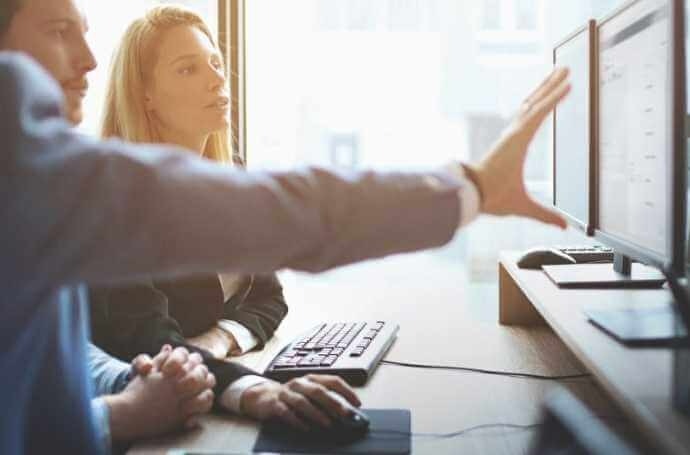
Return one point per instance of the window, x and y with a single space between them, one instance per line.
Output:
405 84
511 31
107 23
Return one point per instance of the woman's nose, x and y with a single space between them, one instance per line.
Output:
217 79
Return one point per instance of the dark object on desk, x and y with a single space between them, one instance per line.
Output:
389 433
538 257
640 326
344 429
681 379
588 254
604 276
681 353
351 350
570 428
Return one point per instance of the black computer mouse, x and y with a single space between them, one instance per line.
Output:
536 258
344 429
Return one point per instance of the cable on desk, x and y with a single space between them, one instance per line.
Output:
483 371
455 434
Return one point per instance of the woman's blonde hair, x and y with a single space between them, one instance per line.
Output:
125 115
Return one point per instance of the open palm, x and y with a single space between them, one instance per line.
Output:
500 174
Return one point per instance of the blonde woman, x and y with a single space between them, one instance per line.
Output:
168 85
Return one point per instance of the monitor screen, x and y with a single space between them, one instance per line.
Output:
635 163
571 132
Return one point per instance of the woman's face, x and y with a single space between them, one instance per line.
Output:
187 93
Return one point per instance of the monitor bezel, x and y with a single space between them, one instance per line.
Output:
589 31
674 256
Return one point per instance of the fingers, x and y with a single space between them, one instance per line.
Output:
174 364
210 381
545 106
283 412
318 394
301 405
142 364
338 385
193 360
540 213
198 404
557 76
194 382
161 357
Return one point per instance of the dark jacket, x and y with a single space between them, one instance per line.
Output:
141 318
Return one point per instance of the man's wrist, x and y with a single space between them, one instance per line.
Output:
235 395
472 173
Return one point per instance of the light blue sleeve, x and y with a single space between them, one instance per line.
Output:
110 375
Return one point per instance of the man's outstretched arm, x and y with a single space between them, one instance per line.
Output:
83 210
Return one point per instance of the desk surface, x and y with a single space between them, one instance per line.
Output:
441 322
639 380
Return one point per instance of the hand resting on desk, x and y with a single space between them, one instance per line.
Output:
302 402
167 393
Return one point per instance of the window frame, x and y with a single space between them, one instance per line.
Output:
231 39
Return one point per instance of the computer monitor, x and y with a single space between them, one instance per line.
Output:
573 131
641 165
640 155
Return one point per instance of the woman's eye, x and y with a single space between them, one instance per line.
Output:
186 71
58 33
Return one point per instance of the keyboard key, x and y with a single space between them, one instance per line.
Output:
356 352
310 361
371 334
328 361
362 346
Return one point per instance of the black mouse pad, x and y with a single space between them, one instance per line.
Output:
389 433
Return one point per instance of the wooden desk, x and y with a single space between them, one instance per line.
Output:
639 380
445 319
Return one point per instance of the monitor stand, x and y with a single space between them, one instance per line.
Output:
640 326
623 274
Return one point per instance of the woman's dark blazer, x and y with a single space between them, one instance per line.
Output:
141 318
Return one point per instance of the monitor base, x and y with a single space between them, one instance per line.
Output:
640 326
603 276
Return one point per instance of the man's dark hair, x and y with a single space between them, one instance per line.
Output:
8 8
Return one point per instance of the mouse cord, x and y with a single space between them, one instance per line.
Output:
484 371
404 434
511 426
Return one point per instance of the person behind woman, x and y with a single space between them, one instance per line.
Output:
168 85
